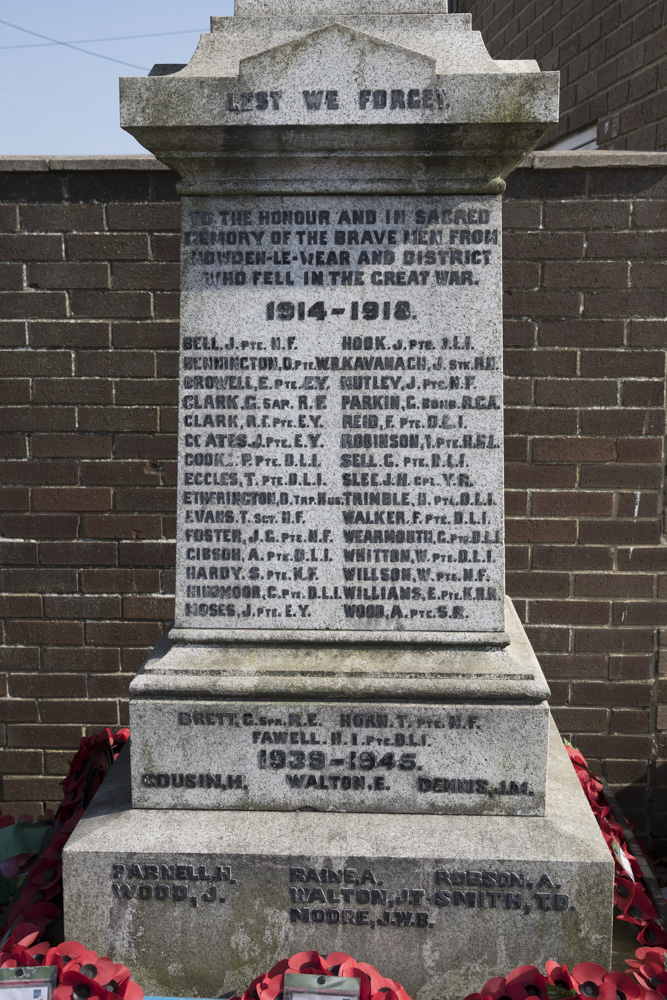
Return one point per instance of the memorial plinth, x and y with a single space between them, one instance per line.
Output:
396 729
200 903
346 732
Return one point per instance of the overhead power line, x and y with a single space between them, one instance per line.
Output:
54 41
115 38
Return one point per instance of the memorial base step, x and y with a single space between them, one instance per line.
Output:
342 729
199 903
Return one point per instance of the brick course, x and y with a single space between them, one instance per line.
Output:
612 56
87 438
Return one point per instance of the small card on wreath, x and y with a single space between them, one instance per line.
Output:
23 983
313 987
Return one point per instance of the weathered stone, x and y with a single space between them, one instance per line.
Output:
472 721
239 117
277 8
348 757
342 465
440 903
261 667
340 548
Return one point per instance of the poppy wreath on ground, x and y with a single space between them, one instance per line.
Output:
374 986
31 851
82 974
31 899
631 897
586 980
646 978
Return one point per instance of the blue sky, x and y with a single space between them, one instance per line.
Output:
56 101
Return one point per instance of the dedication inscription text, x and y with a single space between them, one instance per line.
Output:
341 414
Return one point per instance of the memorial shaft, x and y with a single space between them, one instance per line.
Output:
341 414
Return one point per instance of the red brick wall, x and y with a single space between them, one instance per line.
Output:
88 335
612 55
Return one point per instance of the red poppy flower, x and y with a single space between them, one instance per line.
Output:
131 991
401 992
620 986
588 978
39 914
334 960
38 951
653 936
592 788
652 976
73 986
306 960
495 988
559 975
69 823
121 976
270 987
575 755
120 739
526 981
88 769
45 874
351 969
100 970
656 956
71 951
25 935
376 981
22 955
54 850
624 890
640 909
251 991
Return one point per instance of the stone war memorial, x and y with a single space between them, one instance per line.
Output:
344 743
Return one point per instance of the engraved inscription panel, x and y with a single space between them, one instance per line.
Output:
343 757
340 459
349 896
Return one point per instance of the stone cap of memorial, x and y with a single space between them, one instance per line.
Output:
373 96
273 8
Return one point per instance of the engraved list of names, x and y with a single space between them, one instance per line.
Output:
340 460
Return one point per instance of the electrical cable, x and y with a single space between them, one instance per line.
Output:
116 38
69 45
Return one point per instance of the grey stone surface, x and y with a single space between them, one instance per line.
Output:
198 742
440 903
40 164
594 159
302 518
343 757
341 463
278 8
556 160
211 636
469 122
232 40
370 671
